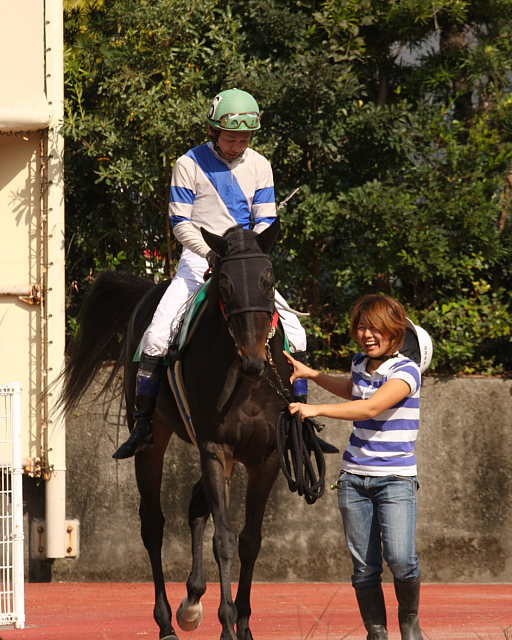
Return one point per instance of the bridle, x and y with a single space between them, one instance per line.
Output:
274 321
300 456
254 300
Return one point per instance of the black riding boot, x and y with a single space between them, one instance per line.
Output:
146 392
408 596
373 611
300 390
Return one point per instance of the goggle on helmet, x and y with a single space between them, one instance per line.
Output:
234 110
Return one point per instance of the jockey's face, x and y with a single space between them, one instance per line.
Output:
233 143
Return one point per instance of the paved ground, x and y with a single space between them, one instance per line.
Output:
281 611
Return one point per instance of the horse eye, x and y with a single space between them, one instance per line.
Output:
267 283
225 287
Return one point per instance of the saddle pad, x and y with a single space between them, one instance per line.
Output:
176 384
192 314
194 309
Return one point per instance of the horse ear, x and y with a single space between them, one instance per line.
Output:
269 235
217 244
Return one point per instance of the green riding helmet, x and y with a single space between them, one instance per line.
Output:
234 110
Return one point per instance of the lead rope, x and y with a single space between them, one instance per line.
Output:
296 442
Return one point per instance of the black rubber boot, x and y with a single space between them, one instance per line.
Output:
147 386
373 612
408 596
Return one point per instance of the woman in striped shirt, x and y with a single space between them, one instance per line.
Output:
377 486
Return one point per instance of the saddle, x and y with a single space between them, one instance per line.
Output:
194 310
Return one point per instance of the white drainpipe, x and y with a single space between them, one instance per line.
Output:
54 304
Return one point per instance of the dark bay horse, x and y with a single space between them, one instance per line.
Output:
237 381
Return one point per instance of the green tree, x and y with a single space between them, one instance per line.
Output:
405 164
393 118
139 78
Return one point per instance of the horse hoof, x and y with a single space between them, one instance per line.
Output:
189 615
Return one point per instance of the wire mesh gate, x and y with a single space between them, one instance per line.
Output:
12 588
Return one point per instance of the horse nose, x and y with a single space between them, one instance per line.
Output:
253 366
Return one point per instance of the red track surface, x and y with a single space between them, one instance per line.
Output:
281 611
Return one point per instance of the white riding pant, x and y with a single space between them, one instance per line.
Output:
172 306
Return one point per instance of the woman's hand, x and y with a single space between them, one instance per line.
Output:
304 410
300 370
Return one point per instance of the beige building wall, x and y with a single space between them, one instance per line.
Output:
32 252
24 118
20 271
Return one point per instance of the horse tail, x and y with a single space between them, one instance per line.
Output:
102 321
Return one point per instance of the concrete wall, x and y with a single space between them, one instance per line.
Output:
465 500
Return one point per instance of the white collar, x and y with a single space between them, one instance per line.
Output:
229 163
383 368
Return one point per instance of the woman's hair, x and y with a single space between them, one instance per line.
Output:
384 314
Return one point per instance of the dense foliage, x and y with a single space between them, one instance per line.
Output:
394 118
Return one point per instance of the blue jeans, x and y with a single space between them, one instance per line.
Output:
379 518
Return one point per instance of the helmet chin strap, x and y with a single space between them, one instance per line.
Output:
218 150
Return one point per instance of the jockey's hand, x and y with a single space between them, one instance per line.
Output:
300 370
210 258
304 410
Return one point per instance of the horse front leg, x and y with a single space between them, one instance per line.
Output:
148 470
260 480
190 612
217 466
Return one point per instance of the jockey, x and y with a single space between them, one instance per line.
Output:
215 185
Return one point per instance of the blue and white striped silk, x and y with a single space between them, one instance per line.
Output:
207 191
386 444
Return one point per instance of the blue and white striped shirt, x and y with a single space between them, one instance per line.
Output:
386 444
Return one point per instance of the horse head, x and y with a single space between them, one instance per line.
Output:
245 283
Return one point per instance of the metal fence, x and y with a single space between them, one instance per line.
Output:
12 588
